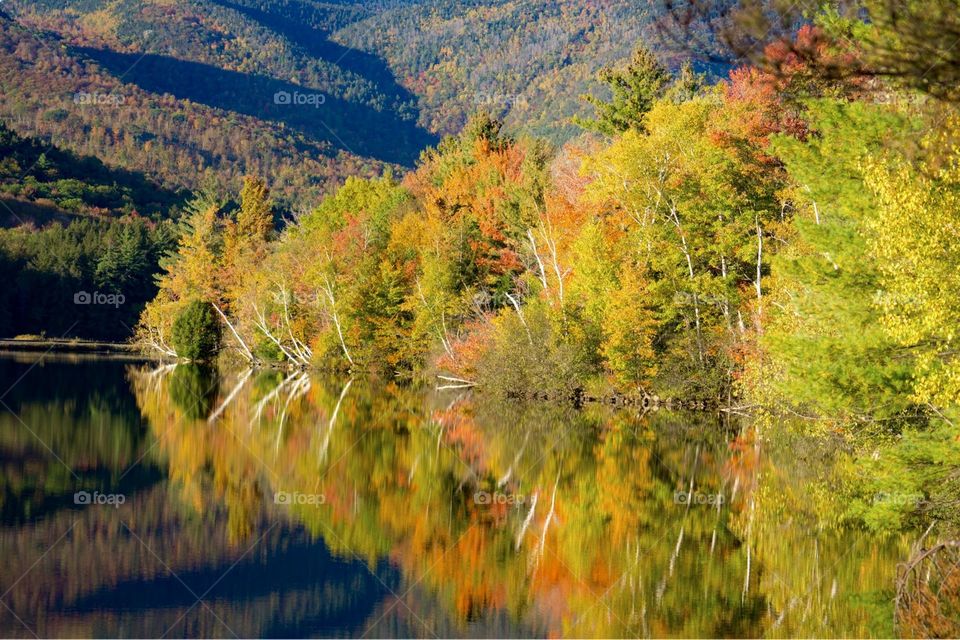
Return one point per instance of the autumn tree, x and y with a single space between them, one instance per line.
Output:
245 236
634 87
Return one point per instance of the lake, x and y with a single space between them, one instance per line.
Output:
147 501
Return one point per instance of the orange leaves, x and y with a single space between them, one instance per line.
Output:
754 111
476 189
467 351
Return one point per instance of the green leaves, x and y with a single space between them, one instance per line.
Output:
833 355
196 332
634 88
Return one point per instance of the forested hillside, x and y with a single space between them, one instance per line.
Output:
123 109
527 63
39 182
55 93
187 91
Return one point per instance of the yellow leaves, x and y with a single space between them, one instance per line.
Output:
629 327
103 23
640 171
916 240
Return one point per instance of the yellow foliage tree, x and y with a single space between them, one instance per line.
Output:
916 241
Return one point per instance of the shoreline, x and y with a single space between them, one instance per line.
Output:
74 347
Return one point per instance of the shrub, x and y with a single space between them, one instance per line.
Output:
196 332
529 356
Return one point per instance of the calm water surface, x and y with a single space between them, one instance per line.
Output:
179 502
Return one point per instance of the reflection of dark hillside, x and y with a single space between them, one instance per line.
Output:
37 487
355 128
74 426
100 579
55 380
330 594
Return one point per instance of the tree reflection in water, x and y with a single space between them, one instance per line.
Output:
352 506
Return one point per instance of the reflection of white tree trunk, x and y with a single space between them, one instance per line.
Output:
333 420
454 383
527 520
155 377
162 370
216 414
549 518
746 578
258 410
506 476
301 386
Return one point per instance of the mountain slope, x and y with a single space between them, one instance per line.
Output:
64 96
39 182
300 91
526 61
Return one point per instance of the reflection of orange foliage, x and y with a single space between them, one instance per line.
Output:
744 462
462 433
466 567
391 492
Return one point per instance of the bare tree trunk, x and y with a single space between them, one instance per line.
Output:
536 254
243 344
725 307
160 344
303 351
336 320
523 320
690 272
261 322
547 230
759 269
